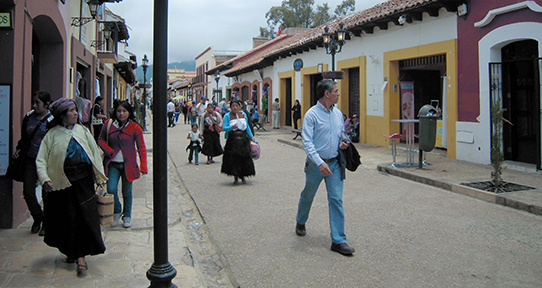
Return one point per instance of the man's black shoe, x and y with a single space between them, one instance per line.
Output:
343 249
36 226
300 229
42 231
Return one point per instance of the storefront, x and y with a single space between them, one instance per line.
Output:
32 52
500 40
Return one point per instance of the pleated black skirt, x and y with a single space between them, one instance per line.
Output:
237 160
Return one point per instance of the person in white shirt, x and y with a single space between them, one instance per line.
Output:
170 112
202 108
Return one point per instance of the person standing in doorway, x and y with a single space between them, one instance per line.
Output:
323 128
98 116
297 112
276 114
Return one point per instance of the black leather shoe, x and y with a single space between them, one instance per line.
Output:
300 229
343 249
42 231
36 226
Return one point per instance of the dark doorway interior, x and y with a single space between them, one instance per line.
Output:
288 101
314 82
353 92
521 101
244 93
36 56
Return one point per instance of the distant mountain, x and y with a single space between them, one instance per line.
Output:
186 65
189 65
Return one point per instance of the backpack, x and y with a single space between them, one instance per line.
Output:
85 114
193 111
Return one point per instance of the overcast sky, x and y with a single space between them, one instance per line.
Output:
195 25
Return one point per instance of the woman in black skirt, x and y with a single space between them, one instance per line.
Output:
211 122
68 164
237 159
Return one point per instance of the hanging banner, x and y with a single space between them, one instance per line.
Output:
407 102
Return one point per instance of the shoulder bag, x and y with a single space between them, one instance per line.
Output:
17 165
217 127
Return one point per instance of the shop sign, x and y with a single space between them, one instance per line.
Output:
5 20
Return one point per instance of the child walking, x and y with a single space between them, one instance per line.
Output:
194 145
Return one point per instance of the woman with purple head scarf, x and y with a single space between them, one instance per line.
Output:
68 165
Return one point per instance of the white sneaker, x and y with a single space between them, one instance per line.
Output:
127 222
116 219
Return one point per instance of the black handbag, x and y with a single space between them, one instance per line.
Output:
17 165
351 157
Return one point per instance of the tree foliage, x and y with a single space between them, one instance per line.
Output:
321 15
301 13
346 7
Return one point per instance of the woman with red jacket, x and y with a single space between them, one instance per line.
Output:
119 137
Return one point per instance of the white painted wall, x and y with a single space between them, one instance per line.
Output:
489 50
430 30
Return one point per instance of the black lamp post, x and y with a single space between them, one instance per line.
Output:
217 78
161 272
333 42
93 6
145 64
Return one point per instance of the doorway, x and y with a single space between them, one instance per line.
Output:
288 101
315 78
521 101
353 92
425 75
244 93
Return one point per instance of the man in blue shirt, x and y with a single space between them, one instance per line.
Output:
323 127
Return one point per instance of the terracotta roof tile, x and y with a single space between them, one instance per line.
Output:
379 11
284 43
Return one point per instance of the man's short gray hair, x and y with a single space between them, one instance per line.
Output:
323 86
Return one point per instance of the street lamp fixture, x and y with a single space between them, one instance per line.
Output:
93 6
217 78
333 42
107 35
144 64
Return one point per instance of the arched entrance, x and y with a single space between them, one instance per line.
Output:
48 57
520 82
244 93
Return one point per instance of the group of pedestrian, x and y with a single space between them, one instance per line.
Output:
64 157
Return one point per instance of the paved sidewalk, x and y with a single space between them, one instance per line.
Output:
448 174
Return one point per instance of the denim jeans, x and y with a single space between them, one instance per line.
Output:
194 152
116 171
334 187
193 120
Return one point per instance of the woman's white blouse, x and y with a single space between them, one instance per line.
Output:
241 124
